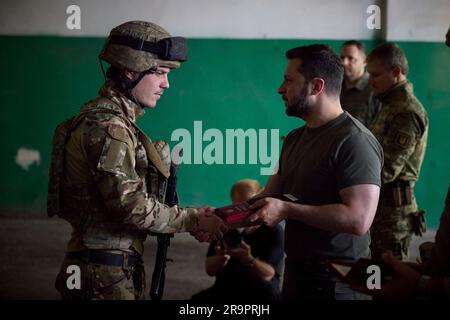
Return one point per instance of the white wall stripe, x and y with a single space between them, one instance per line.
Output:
418 20
292 19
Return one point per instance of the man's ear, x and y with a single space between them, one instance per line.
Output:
317 86
397 71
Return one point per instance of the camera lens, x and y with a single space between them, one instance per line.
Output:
232 238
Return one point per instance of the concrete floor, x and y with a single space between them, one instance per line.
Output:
31 250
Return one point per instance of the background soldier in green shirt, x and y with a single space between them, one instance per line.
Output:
401 126
108 179
356 92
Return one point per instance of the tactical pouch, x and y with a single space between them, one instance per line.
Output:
139 281
398 193
56 173
419 225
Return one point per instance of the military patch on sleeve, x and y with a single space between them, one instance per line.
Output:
402 139
119 133
112 156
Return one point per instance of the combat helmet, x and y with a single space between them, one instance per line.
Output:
140 46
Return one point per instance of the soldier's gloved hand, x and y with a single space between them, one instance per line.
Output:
210 227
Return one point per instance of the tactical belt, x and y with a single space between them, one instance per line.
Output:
397 193
107 258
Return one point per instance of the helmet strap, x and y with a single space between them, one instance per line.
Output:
141 75
103 69
128 87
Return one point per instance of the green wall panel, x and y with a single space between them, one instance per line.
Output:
227 84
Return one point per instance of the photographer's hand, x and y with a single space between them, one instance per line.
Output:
241 253
257 268
221 251
215 264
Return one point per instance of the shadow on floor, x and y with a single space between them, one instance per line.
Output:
31 250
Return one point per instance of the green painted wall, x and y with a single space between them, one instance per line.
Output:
226 84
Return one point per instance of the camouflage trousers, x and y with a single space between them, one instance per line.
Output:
392 230
101 282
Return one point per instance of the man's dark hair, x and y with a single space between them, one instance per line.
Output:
358 44
320 61
390 55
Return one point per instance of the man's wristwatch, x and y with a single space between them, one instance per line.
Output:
250 264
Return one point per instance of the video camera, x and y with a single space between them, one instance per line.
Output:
232 238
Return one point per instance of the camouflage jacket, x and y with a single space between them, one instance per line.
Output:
115 179
401 126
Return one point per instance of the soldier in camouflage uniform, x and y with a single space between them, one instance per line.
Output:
401 126
107 178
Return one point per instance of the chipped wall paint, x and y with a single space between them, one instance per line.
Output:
26 157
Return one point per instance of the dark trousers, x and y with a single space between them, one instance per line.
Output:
300 285
244 291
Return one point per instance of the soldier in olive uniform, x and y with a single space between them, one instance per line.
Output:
108 179
356 93
401 126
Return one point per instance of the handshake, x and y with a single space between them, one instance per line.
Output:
213 223
209 226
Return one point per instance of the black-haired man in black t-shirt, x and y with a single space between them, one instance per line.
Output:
332 165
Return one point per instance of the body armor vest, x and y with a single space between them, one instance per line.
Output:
81 203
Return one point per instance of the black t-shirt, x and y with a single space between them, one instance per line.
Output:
315 164
266 244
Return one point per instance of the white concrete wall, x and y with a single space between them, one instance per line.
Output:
418 19
326 19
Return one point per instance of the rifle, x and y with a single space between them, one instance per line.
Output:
163 239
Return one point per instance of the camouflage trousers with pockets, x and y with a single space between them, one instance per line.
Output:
392 230
101 282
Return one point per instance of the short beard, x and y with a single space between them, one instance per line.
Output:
301 107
